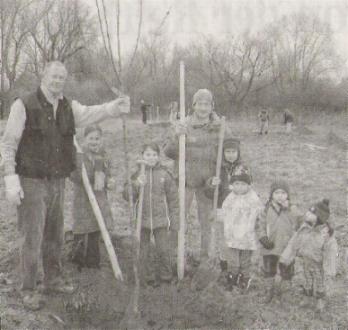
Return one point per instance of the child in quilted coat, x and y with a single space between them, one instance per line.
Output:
85 252
276 225
160 212
315 243
239 212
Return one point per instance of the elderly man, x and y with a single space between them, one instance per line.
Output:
38 154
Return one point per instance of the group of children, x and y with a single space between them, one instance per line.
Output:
277 230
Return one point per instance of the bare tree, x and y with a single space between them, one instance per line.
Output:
236 65
13 34
301 51
115 53
66 28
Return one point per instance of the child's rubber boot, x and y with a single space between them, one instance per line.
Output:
223 265
231 280
243 283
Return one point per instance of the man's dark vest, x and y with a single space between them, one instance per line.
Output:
46 149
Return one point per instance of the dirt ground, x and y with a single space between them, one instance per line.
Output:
315 167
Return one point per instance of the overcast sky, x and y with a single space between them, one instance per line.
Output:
190 18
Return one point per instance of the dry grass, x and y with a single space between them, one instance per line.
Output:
312 174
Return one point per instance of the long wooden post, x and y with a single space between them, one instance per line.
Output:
216 191
101 223
182 140
138 235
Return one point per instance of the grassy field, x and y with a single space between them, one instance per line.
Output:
312 159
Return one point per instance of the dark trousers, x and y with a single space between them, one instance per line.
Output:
271 264
238 261
144 117
40 224
162 250
85 250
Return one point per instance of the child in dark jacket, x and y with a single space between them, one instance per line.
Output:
276 225
86 232
231 162
160 212
315 243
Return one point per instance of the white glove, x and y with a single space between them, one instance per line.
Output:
121 106
14 191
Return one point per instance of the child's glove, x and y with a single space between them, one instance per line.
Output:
99 181
215 181
267 244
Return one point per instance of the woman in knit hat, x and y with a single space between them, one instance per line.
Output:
316 245
276 225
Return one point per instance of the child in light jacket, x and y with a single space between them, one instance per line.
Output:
315 243
276 225
85 251
160 212
239 213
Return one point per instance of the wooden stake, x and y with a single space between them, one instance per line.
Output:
216 191
138 238
101 223
182 140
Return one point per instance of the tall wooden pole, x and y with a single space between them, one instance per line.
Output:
138 236
182 140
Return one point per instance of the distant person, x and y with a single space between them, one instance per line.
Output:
174 112
143 109
288 120
264 121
